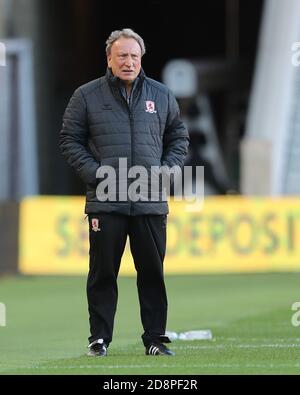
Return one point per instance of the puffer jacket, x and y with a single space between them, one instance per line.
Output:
99 127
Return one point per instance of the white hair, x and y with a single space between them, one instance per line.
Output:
128 33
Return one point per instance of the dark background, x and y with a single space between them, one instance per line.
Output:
72 35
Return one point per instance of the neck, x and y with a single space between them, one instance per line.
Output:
128 87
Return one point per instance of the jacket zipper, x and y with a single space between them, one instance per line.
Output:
131 141
131 137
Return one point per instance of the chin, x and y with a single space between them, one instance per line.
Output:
128 79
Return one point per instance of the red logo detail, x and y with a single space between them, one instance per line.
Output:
150 107
95 225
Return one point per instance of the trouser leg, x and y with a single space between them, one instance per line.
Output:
148 244
106 249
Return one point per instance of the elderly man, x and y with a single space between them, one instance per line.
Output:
124 115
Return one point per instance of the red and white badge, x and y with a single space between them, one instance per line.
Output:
150 107
95 225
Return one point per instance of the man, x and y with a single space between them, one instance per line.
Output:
124 115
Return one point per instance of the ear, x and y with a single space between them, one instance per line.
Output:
108 58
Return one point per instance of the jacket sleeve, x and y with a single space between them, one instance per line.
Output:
176 137
73 140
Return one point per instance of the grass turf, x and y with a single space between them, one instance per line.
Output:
250 316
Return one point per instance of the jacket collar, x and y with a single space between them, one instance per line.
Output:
115 81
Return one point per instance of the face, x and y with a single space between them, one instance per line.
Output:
125 59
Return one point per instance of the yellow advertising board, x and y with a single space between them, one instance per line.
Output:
229 234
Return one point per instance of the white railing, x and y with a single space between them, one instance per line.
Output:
18 146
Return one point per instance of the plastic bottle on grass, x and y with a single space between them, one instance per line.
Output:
204 334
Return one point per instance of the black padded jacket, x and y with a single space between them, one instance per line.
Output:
100 127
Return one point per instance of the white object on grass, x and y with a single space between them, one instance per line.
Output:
204 334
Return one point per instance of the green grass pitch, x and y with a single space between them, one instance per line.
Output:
250 316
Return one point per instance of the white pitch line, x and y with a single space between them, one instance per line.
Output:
208 365
215 346
255 339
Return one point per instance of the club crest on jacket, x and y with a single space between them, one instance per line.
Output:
150 107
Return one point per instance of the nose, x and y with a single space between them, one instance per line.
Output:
128 61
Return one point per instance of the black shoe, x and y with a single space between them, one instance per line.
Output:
97 349
158 348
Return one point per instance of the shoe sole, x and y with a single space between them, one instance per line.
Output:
160 355
91 354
